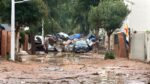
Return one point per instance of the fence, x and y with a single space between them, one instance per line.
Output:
5 43
5 38
120 45
139 48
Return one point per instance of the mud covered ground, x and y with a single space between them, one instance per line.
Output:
68 68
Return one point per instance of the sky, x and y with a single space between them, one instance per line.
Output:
139 18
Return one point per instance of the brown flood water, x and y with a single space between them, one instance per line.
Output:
71 68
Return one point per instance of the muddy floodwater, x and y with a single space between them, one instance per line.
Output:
71 68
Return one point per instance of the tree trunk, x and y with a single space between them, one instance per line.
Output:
108 41
17 39
97 33
32 44
46 46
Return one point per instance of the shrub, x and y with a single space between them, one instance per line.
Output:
109 55
8 56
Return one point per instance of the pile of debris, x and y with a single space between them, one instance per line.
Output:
62 42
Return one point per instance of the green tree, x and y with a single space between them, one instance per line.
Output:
80 13
51 26
109 15
26 14
60 15
71 15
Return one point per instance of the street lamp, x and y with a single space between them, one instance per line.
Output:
21 1
12 50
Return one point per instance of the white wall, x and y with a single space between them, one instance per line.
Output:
147 40
138 46
139 18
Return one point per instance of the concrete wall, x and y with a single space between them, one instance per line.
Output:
138 46
147 41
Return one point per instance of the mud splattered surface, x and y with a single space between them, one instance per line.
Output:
58 68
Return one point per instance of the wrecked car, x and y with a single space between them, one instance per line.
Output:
63 42
62 36
85 45
38 43
53 43
81 46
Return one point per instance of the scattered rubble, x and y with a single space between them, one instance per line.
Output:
63 42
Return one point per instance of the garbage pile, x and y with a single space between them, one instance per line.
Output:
63 42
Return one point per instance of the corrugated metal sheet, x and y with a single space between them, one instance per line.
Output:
8 41
4 44
5 38
120 46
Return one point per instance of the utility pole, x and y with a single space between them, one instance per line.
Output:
12 30
12 50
